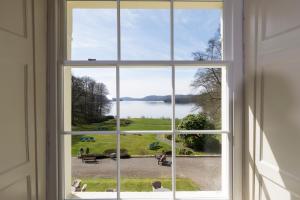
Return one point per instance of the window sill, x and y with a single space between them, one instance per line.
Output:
203 195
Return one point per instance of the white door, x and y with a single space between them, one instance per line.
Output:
18 109
272 33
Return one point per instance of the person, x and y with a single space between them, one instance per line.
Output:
157 187
81 151
162 158
87 151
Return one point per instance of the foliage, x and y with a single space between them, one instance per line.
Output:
199 142
208 81
196 122
168 136
112 153
185 151
89 100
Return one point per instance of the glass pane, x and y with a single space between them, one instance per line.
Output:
94 164
198 98
145 98
147 167
197 30
92 30
92 93
198 162
145 29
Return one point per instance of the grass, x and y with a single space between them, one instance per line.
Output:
134 144
147 124
137 184
127 125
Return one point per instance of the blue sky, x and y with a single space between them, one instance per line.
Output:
145 35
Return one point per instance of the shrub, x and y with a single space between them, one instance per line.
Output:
123 153
212 144
185 151
168 136
125 122
104 118
196 122
198 142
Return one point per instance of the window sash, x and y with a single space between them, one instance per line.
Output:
119 63
198 4
225 132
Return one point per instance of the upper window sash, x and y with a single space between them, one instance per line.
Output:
135 4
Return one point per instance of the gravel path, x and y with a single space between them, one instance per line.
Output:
205 171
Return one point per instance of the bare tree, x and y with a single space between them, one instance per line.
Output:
103 104
89 100
208 81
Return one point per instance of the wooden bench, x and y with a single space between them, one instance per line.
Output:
89 159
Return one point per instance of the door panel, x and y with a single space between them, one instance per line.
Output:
12 16
17 190
18 164
14 117
272 191
275 101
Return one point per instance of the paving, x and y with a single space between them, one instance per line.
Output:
205 171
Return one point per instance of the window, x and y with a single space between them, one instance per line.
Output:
145 101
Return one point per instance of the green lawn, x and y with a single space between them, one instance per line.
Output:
134 144
137 124
147 124
137 184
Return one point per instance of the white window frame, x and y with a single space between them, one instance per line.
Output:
232 55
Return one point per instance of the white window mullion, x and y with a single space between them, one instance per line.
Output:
173 136
173 100
118 131
118 99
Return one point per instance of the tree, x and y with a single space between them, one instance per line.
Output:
208 81
199 142
89 100
103 104
213 51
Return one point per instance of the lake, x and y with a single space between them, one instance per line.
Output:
152 109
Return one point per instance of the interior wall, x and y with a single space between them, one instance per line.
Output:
272 63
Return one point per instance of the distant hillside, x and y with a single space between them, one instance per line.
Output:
166 98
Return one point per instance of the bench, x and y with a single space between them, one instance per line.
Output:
89 159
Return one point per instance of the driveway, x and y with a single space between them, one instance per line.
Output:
205 171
